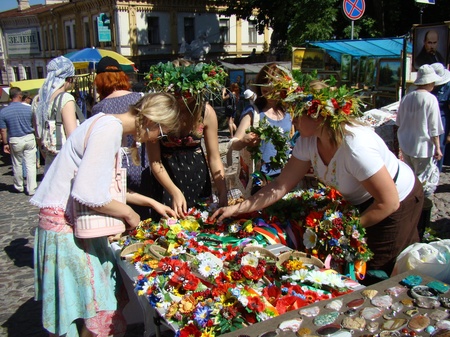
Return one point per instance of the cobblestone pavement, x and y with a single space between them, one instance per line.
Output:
21 315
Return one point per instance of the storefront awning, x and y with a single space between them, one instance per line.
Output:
378 48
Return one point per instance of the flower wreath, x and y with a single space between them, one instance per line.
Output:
195 80
277 137
334 104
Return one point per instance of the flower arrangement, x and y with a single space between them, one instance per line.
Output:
335 104
277 137
326 223
200 299
193 80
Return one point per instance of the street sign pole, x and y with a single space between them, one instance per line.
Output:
354 10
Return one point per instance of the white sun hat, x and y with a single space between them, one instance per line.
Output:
248 94
443 73
426 75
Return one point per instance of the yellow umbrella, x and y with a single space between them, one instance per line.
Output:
32 86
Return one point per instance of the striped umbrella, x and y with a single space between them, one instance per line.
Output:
89 57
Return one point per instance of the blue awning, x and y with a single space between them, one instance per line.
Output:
380 48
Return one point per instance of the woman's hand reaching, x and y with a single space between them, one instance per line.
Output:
179 204
225 212
164 210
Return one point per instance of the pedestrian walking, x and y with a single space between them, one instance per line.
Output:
18 140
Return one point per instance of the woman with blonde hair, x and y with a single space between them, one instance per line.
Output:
76 279
59 81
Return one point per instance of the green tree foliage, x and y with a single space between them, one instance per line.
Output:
297 21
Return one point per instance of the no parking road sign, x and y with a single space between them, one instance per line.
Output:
354 9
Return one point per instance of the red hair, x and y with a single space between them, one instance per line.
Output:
108 82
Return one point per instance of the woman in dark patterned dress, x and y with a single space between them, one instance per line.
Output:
180 168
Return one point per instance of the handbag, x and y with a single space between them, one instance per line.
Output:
53 138
430 178
92 224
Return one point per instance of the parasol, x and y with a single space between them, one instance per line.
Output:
89 57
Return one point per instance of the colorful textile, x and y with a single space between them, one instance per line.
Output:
75 279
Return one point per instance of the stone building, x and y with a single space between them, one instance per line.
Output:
144 31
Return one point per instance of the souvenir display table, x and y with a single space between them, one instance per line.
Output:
438 314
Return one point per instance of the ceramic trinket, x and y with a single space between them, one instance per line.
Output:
325 319
419 322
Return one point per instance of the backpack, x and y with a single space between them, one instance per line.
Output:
53 137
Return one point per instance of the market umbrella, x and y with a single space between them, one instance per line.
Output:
89 57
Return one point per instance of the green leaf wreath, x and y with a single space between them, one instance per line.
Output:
277 137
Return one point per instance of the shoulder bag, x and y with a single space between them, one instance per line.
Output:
53 137
91 224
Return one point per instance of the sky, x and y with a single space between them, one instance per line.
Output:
10 4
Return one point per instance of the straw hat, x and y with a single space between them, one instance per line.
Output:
426 75
443 73
248 94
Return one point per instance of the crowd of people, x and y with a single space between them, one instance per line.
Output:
162 133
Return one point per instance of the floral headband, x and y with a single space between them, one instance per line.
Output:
196 80
334 104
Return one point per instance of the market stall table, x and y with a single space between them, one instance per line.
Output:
154 322
272 324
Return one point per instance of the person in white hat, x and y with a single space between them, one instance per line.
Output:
442 92
419 122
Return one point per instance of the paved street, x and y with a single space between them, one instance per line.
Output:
20 316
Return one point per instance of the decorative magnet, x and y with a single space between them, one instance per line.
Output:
439 286
441 333
445 301
334 305
325 319
427 303
396 290
310 312
383 301
397 306
369 293
444 324
419 322
438 315
371 313
393 324
328 330
303 332
412 312
423 291
407 302
389 334
389 315
356 303
411 281
354 323
350 312
430 329
372 326
291 325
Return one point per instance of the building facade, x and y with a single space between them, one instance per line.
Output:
144 31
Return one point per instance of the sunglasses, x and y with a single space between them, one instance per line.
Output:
69 79
162 135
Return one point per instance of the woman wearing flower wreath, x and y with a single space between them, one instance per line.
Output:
76 279
273 112
113 87
353 159
180 169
